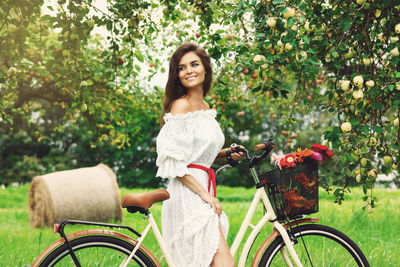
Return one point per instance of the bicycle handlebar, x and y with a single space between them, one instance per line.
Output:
267 145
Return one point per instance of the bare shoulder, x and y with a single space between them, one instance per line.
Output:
180 106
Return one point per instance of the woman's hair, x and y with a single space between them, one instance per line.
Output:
174 88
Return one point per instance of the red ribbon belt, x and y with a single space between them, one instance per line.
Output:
211 176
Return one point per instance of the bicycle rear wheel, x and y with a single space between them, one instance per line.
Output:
97 250
318 246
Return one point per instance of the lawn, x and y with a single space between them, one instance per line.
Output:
377 233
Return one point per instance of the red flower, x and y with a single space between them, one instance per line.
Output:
294 199
288 161
302 178
324 150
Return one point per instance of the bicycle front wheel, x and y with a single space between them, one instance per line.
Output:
317 245
97 250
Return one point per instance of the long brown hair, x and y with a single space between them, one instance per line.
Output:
174 88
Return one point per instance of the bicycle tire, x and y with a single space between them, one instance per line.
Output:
326 246
97 250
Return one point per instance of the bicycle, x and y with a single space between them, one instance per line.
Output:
297 239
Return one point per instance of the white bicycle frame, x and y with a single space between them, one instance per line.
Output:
269 216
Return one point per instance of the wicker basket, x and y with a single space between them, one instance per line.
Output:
293 191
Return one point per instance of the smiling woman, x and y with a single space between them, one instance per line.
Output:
194 226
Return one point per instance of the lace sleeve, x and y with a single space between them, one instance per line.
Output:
174 148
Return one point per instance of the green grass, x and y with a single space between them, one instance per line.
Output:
377 234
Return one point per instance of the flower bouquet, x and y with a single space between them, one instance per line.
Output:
293 186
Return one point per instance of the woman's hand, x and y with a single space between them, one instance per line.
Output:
213 201
237 156
193 185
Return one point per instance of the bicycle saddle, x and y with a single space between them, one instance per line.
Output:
143 201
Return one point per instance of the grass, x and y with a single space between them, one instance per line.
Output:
377 233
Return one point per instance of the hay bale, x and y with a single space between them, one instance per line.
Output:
89 194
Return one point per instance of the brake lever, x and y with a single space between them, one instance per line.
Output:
222 167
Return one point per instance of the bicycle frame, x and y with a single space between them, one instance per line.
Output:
269 216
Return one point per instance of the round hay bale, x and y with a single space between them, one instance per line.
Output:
89 194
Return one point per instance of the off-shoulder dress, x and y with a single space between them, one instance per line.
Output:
189 225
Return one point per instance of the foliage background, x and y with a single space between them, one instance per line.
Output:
69 99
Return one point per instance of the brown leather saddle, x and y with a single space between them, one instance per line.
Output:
141 202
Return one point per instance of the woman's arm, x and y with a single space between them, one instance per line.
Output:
193 185
222 153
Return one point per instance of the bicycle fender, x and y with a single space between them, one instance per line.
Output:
72 236
272 237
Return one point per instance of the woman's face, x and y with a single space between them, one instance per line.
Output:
191 71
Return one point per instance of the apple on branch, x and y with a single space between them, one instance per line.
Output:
397 28
370 83
345 85
358 81
345 127
271 22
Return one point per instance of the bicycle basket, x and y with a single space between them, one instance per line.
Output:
293 191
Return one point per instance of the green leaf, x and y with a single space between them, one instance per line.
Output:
139 55
344 24
377 129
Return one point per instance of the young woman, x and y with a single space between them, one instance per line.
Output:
193 223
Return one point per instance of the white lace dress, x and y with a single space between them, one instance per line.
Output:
189 224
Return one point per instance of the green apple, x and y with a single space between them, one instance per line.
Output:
395 166
288 47
74 36
396 122
395 52
345 127
372 174
387 160
290 12
258 58
397 28
370 83
358 94
91 23
83 107
358 178
398 86
364 162
345 84
349 54
371 141
271 22
360 2
358 81
367 61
